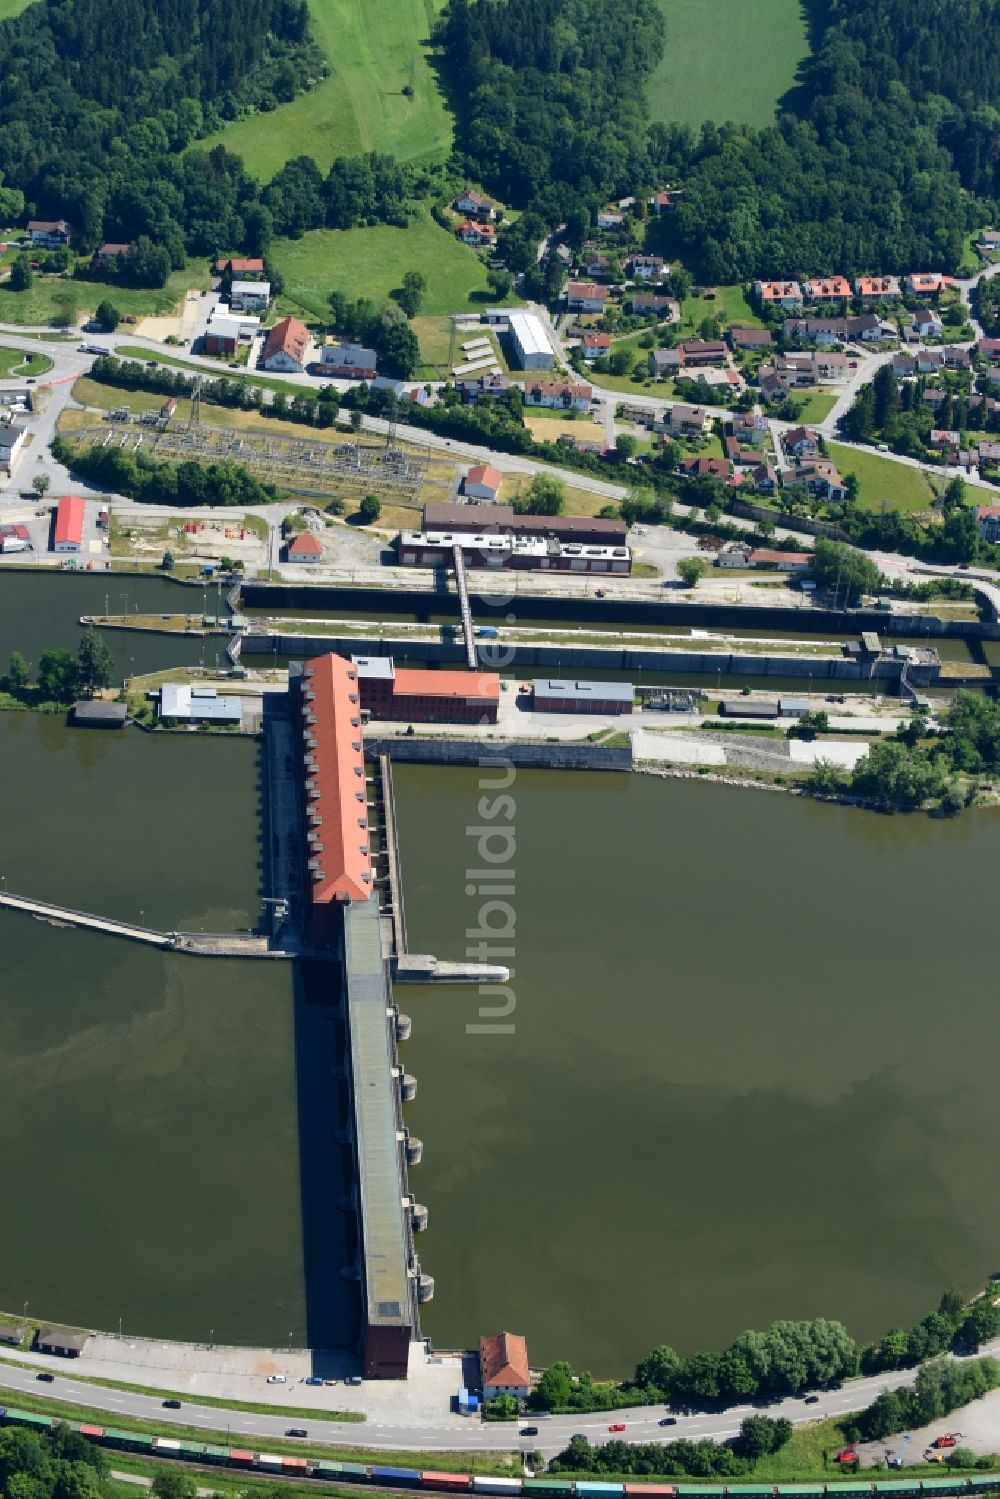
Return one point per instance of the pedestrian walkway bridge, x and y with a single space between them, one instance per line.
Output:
204 944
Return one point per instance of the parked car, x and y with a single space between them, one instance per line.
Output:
329 1382
276 1379
171 1405
312 1379
354 1379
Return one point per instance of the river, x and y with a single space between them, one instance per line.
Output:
751 1075
733 1092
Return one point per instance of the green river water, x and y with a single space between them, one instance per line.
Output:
751 1073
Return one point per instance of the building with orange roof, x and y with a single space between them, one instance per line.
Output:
828 289
339 854
407 694
877 288
482 482
927 283
67 534
287 347
503 1365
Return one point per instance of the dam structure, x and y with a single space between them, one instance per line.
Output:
345 918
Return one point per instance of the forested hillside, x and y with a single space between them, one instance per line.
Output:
891 154
550 94
99 97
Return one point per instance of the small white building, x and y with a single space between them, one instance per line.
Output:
12 440
188 704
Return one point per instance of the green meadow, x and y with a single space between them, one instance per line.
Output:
727 60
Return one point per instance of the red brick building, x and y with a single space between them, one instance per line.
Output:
408 694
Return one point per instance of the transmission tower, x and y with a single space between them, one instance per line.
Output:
194 420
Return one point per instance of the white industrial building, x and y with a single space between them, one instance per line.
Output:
531 344
188 704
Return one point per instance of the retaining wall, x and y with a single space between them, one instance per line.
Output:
479 752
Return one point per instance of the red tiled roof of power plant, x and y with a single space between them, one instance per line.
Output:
416 681
305 545
485 473
336 798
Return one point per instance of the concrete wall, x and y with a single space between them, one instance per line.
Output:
565 657
802 523
488 752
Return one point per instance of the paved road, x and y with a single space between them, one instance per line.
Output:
447 1432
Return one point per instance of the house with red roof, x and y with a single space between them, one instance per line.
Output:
482 482
305 547
503 1365
287 347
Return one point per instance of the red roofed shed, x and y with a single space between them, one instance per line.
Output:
68 535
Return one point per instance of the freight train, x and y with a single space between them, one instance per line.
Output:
375 1476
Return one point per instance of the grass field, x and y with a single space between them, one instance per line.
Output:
372 262
53 297
883 481
727 60
10 8
371 49
20 362
816 404
729 305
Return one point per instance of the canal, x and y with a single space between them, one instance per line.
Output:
733 1091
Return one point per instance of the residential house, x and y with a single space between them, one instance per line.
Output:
595 345
820 477
729 380
472 233
749 338
904 366
927 283
646 302
866 327
287 347
828 289
945 440
247 268
736 554
772 386
582 444
585 296
305 548
929 361
793 562
503 1366
347 361
49 234
250 296
989 349
482 483
706 468
988 453
828 366
474 206
764 479
703 351
739 456
646 268
956 358
690 421
778 293
933 395
106 255
800 442
664 363
749 426
59 1340
597 265
559 395
877 288
663 200
488 387
927 324
988 521
988 243
610 219
12 440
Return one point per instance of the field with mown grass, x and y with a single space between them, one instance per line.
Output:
816 405
372 263
898 485
727 60
22 362
374 52
54 299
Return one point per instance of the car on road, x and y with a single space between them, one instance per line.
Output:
296 1431
812 1400
617 1426
171 1405
528 1431
668 1420
276 1379
881 447
312 1379
45 1376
